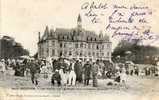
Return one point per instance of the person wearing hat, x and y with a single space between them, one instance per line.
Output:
95 68
2 68
87 72
34 71
78 71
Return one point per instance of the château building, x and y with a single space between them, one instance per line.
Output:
75 43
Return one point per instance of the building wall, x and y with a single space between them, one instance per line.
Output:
85 50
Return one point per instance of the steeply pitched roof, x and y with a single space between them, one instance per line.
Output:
62 31
74 34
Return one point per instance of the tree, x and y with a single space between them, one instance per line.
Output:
11 49
139 53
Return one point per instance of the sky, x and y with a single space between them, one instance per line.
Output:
23 19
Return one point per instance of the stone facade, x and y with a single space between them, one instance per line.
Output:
75 43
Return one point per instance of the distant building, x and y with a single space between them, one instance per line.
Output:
75 43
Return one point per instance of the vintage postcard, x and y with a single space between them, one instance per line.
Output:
79 49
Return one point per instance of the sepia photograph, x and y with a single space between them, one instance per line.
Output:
79 49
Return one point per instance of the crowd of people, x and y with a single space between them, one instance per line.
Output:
69 72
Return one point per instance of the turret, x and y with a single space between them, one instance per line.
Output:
79 21
46 32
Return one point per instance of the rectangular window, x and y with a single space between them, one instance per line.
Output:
97 47
108 54
70 53
102 46
60 53
102 54
97 54
108 45
81 53
89 46
64 45
53 52
60 45
47 51
76 53
92 46
93 53
53 43
89 53
65 52
76 45
81 45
